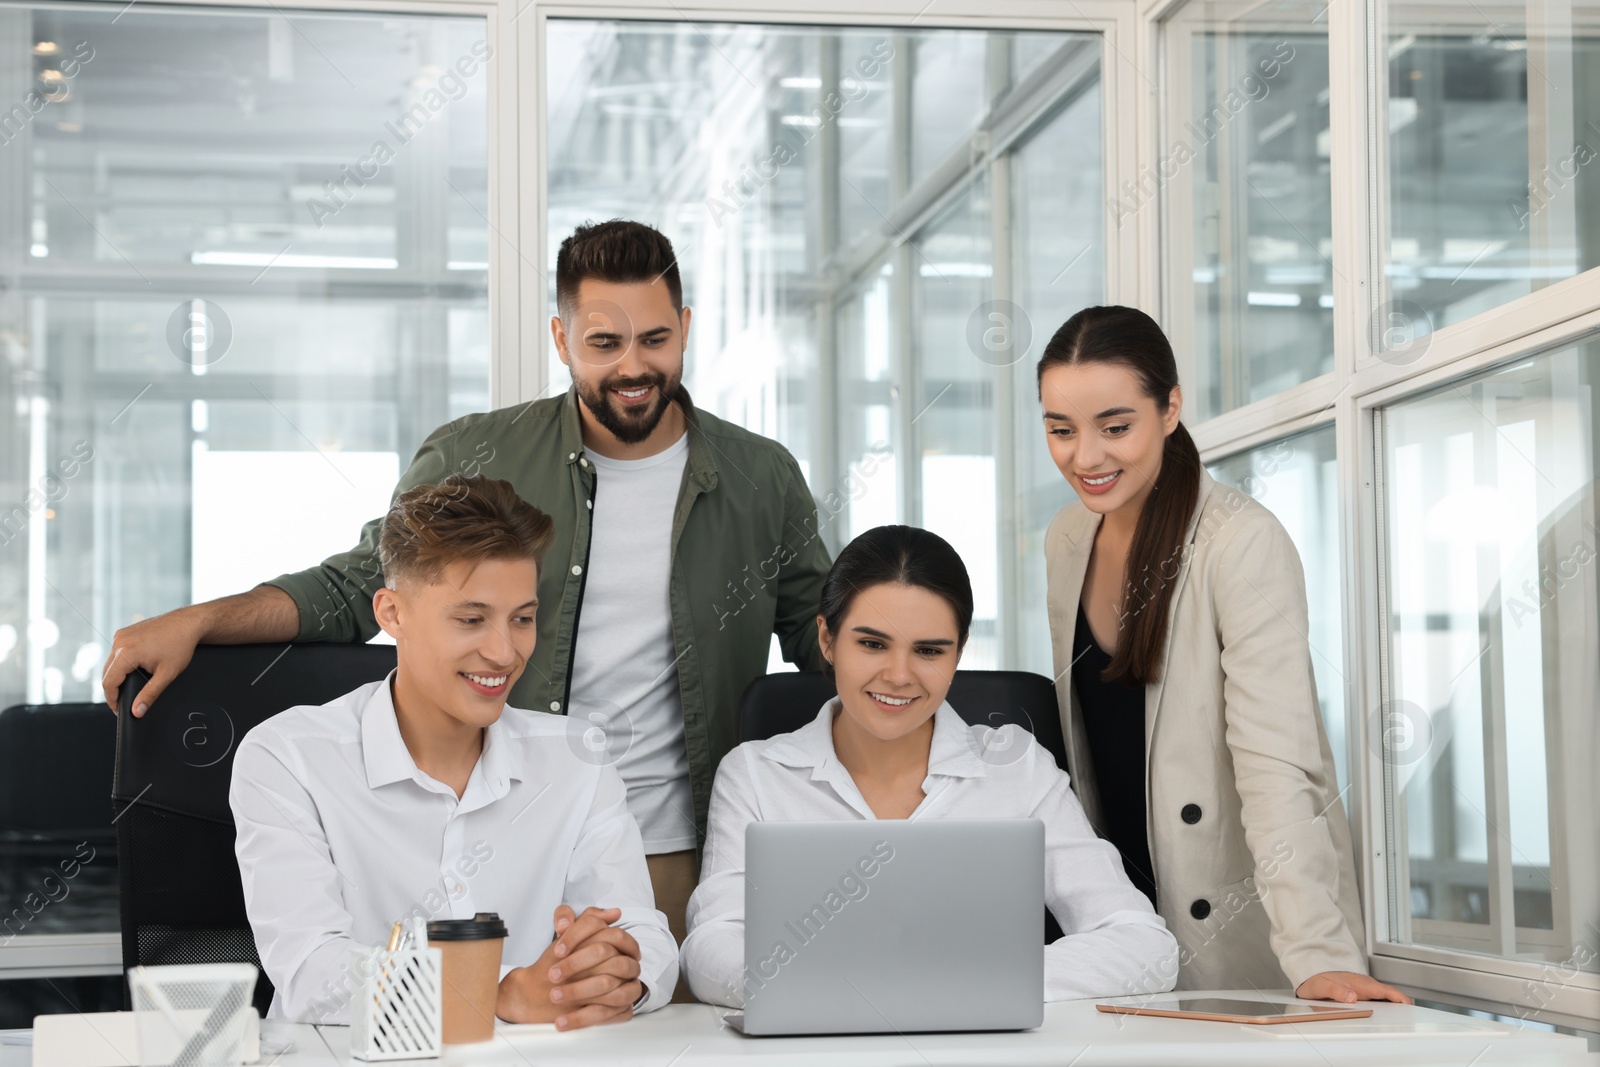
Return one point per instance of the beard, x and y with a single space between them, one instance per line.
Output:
630 426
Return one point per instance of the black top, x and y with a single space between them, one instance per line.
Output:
1113 720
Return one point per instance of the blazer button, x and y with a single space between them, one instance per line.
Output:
1200 909
1190 813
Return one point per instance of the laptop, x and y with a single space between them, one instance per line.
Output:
893 926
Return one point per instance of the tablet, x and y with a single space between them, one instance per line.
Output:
1224 1010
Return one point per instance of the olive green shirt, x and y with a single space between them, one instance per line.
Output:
748 561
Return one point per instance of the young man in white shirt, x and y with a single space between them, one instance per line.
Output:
408 795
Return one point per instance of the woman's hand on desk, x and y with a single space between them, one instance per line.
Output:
588 975
1348 987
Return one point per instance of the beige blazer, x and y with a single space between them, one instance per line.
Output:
1258 882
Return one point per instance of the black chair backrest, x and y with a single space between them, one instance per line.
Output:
780 703
55 818
54 759
182 900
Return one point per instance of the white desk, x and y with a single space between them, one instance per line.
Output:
305 1046
692 1035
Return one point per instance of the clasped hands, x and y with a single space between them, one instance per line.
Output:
589 975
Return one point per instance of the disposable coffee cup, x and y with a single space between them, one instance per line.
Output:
471 950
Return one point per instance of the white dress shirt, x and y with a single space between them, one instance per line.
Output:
340 834
1115 944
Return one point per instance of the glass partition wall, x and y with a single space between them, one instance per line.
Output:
239 294
1489 568
867 223
243 274
1428 442
1493 124
1485 491
1245 173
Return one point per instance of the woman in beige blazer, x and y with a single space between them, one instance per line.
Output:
1177 614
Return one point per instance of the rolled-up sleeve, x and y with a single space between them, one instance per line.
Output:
713 950
608 870
1115 944
292 891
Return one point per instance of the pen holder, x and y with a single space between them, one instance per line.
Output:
397 1010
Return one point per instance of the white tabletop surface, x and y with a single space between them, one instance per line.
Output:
1073 1035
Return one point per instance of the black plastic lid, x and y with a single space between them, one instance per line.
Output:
480 927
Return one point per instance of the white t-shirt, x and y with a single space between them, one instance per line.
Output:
624 666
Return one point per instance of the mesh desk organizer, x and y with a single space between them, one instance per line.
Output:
193 1014
398 1006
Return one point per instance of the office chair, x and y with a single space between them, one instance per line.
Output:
780 703
54 761
182 899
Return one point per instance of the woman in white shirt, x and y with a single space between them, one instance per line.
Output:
896 609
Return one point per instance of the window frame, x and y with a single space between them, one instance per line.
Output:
1538 989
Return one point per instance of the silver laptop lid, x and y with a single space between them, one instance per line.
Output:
894 925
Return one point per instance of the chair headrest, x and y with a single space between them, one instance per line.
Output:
780 703
179 756
54 759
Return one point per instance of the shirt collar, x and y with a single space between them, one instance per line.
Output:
495 766
700 466
953 752
387 760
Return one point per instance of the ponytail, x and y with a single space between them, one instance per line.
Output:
1154 560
